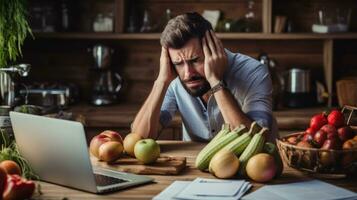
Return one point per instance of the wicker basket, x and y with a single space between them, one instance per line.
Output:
347 92
318 161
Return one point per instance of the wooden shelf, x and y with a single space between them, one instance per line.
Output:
224 36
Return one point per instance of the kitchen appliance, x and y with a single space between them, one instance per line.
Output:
9 85
107 84
298 92
276 77
51 96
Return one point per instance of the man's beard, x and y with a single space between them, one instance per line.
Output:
198 91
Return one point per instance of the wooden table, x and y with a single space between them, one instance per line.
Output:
178 148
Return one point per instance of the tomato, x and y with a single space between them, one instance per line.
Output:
10 167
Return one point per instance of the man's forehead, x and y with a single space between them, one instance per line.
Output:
191 49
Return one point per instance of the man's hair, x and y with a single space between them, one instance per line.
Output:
182 28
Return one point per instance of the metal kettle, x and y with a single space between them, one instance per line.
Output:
298 80
298 88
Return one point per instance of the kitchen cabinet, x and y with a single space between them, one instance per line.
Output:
136 55
190 151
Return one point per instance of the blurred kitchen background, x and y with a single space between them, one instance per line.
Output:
99 59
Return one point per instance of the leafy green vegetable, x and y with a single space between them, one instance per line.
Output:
10 151
13 29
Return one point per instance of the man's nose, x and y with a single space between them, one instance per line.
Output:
189 70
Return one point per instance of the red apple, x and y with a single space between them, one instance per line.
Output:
328 128
308 137
336 118
102 138
320 137
345 133
96 142
110 151
310 131
317 121
332 144
115 136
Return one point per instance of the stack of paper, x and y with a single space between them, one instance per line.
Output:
207 189
313 189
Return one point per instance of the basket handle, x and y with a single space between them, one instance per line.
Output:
351 109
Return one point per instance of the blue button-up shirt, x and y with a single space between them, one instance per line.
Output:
249 82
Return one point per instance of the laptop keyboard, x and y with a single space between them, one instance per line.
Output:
103 180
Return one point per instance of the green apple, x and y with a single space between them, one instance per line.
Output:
147 151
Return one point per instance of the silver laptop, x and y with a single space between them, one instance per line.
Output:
57 151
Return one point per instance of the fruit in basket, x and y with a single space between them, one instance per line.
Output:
224 164
129 143
308 137
329 129
336 118
345 133
110 151
310 131
261 167
320 138
349 157
350 144
102 138
326 158
332 144
304 144
147 151
292 140
317 121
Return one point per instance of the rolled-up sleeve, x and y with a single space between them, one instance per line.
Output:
258 101
168 108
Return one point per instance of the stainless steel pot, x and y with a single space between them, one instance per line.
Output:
297 80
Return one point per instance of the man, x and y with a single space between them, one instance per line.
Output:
206 83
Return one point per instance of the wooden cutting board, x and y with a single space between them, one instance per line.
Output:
165 165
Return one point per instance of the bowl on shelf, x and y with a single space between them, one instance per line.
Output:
320 162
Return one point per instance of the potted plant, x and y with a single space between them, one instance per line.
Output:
14 28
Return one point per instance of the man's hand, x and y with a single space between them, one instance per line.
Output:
215 58
167 73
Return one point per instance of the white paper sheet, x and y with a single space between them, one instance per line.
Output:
313 189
